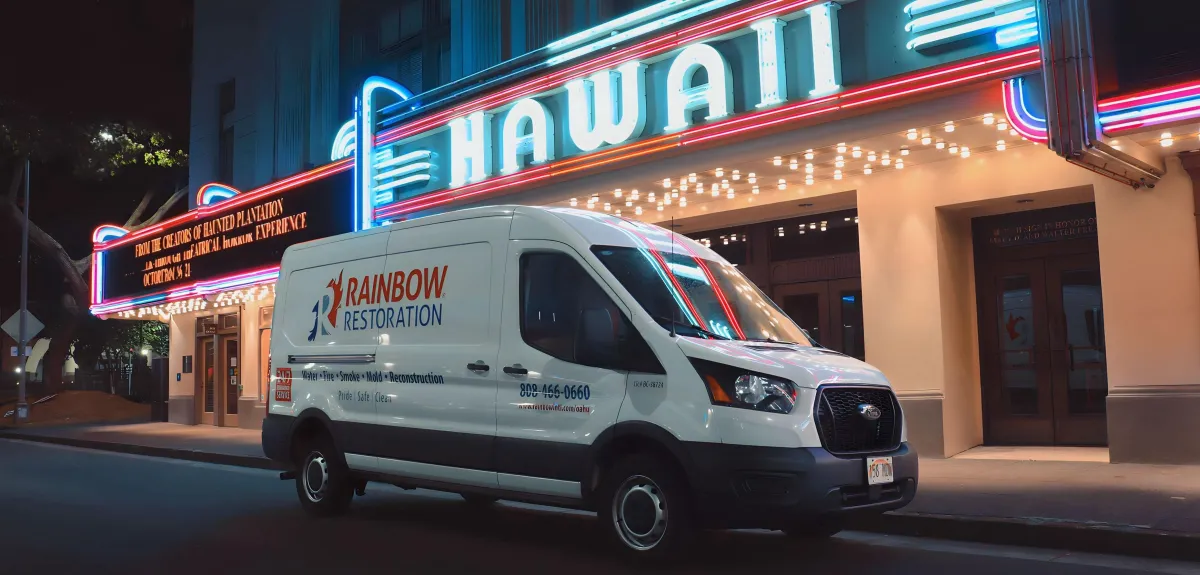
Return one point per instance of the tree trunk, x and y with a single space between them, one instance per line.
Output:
76 288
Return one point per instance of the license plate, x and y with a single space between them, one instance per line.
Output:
879 470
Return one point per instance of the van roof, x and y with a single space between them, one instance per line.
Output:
594 228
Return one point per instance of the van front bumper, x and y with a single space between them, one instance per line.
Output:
747 487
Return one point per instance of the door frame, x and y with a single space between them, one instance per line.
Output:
203 417
834 287
225 418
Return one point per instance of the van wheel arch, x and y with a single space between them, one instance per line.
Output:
625 440
310 424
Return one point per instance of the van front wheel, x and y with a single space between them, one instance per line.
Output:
646 507
323 480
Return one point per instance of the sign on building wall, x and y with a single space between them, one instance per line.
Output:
249 236
1077 221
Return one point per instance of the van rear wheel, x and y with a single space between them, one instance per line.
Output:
323 480
646 508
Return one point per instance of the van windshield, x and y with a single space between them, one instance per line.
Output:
701 297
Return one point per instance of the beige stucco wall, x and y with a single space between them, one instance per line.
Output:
183 342
918 279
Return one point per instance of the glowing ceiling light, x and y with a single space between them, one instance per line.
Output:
692 177
808 154
941 145
666 182
856 152
725 184
618 193
949 127
1002 125
574 202
1166 140
751 178
729 194
904 151
607 207
659 207
808 180
754 190
1000 145
926 139
867 169
886 160
871 156
837 174
899 164
839 162
720 172
841 148
637 211
782 184
808 168
794 164
780 232
912 134
989 119
683 202
683 187
778 161
953 149
966 152
737 175
674 193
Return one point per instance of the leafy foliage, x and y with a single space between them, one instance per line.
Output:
118 338
93 149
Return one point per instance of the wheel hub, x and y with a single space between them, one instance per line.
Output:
316 477
640 513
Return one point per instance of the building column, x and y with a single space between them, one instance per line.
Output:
181 394
1150 268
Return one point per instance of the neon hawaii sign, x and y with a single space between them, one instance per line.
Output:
764 57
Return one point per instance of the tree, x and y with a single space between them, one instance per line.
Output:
93 151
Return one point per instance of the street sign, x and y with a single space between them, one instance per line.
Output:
13 351
13 326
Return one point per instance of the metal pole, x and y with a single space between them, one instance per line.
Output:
23 407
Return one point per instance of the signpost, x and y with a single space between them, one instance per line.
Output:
22 336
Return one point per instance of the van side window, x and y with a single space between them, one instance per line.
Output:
555 293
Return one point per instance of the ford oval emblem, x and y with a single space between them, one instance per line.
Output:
869 412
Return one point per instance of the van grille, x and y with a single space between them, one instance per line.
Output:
843 430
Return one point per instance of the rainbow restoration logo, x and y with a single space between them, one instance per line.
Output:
379 302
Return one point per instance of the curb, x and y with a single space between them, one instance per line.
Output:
163 452
1101 538
1043 533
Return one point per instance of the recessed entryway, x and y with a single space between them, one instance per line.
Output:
1043 363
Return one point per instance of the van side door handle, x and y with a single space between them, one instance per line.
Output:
478 366
515 370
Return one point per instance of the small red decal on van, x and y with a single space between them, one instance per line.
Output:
283 384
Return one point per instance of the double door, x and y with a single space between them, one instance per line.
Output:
1045 379
830 311
219 380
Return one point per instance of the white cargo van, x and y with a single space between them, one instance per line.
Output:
570 358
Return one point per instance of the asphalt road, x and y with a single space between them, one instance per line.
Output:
65 510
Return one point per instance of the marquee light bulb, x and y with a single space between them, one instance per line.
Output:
751 177
856 152
989 119
949 127
808 154
1001 146
778 161
912 134
841 148
926 140
574 202
737 175
666 182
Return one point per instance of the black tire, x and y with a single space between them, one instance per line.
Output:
815 530
478 500
323 481
645 507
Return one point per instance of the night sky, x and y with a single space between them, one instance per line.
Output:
91 61
96 60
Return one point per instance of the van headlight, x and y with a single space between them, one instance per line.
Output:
736 387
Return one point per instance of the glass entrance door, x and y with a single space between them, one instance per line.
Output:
831 312
230 382
1045 378
207 372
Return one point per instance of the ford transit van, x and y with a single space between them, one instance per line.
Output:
576 359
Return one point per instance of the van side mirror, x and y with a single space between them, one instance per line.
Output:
596 339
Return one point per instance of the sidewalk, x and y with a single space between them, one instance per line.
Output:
1147 510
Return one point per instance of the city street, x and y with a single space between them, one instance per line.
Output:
69 510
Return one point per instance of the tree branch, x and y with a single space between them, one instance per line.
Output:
141 207
43 242
162 210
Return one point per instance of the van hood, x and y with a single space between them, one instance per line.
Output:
805 366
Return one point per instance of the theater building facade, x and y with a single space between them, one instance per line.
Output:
922 184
